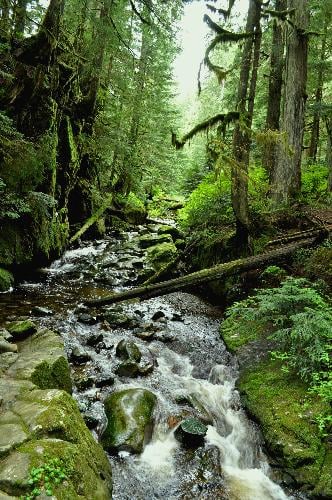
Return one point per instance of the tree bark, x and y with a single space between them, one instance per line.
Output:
328 123
207 275
286 181
20 13
241 137
275 87
314 137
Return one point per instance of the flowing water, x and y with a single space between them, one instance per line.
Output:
187 367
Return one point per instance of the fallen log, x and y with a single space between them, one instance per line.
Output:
207 275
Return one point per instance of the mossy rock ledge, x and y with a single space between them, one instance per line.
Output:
40 424
280 403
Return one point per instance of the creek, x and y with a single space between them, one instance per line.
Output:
184 362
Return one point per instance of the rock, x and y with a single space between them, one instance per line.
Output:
7 346
87 319
80 356
172 230
14 473
127 369
160 255
104 379
130 420
83 382
20 330
149 240
158 315
42 361
116 319
6 280
128 350
144 334
191 432
5 335
12 435
41 311
180 244
94 339
90 420
146 368
177 317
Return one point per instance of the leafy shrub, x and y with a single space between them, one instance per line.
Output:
314 182
209 205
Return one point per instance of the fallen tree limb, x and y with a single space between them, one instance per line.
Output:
206 275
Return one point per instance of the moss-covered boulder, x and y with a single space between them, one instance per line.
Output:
134 210
20 330
6 280
130 420
162 254
285 411
176 233
149 240
126 349
42 361
56 434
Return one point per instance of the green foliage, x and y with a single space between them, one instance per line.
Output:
314 182
44 478
299 319
209 205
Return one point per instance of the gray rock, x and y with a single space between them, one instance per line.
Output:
11 436
80 356
7 346
87 319
104 379
42 311
94 339
127 369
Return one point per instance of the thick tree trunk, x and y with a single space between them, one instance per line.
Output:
207 275
275 86
314 138
241 138
328 122
20 13
286 181
5 25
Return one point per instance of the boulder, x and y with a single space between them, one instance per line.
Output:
130 420
128 368
6 280
79 355
42 361
128 350
41 311
20 330
176 233
191 432
6 346
149 240
162 254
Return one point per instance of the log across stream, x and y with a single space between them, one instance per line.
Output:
189 371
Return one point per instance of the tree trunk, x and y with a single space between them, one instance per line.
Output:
286 181
328 123
20 13
275 86
241 138
318 98
207 275
5 25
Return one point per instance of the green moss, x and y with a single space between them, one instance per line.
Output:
160 255
21 329
6 280
319 265
236 334
286 413
53 376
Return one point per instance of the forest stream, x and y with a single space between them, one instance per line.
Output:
183 362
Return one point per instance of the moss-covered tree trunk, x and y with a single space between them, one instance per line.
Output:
275 88
286 181
241 137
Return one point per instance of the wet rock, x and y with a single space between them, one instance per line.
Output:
205 478
79 355
130 420
6 346
191 432
149 240
5 335
116 320
138 263
172 230
94 339
41 311
177 317
146 368
165 336
101 346
158 315
192 401
127 369
128 350
104 379
20 330
91 420
83 382
87 319
144 334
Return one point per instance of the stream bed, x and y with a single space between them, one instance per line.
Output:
183 362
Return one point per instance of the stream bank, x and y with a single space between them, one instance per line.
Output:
179 359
